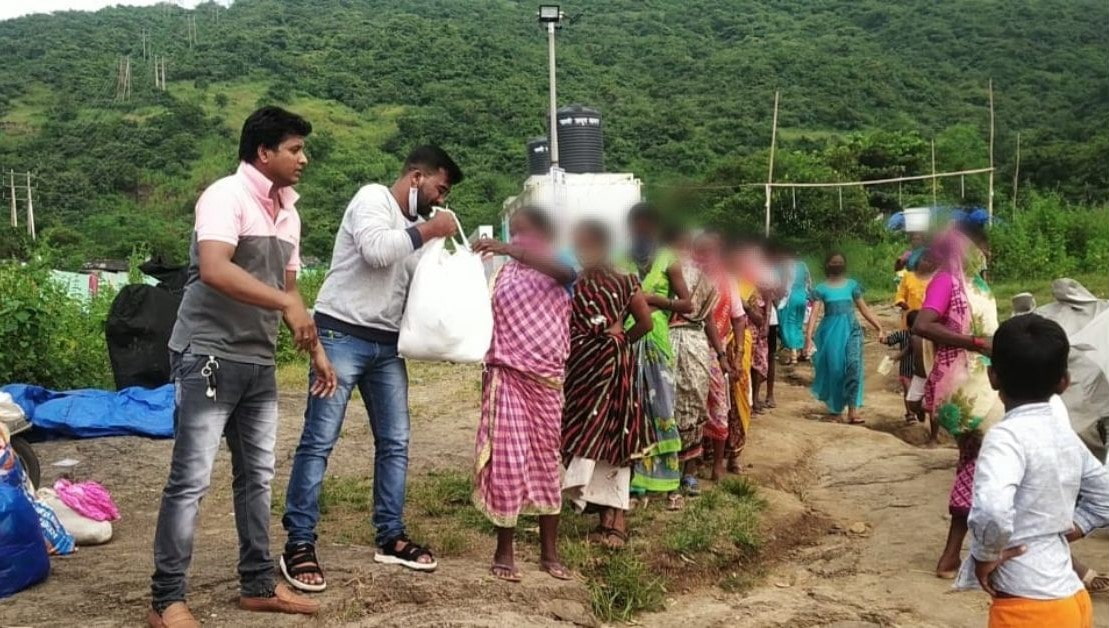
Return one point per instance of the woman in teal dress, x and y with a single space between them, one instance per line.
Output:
792 315
663 283
837 353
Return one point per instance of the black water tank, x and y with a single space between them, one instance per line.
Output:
539 156
581 146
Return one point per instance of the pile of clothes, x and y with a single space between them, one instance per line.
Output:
53 521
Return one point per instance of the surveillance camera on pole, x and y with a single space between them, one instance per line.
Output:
551 16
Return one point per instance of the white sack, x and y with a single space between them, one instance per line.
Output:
85 531
448 316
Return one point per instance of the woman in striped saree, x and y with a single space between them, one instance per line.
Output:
519 437
604 428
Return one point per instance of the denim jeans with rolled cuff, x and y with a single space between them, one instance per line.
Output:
380 375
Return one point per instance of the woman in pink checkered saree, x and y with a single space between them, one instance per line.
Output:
959 316
520 434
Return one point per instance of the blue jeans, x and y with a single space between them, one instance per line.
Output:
381 377
244 412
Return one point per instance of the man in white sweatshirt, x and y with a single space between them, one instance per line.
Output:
358 314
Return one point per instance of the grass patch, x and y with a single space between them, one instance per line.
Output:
715 540
623 585
724 521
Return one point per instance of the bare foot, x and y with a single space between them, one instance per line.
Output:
948 567
717 470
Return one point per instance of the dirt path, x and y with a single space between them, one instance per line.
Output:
887 498
884 494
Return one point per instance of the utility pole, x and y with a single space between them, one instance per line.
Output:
13 189
190 23
127 86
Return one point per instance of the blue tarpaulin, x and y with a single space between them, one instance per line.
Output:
93 413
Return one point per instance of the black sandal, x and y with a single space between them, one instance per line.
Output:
409 556
300 559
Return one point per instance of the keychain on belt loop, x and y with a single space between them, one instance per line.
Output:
209 373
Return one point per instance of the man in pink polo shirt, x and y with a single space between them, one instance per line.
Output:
241 283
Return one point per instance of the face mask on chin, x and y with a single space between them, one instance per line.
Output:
415 207
835 271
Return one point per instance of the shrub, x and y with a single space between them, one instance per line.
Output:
48 337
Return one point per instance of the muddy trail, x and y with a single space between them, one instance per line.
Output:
857 514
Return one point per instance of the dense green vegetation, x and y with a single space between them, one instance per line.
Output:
686 87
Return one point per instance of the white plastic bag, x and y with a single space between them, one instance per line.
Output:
449 316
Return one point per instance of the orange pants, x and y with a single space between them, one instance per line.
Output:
1075 611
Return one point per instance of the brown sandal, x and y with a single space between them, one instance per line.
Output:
508 573
556 570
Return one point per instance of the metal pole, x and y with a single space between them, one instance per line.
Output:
554 92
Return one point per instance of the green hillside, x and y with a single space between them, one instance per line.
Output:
686 88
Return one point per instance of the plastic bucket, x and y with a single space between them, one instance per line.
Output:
917 219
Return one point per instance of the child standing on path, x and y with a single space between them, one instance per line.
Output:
1035 486
903 340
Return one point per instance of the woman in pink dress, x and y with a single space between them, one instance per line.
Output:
520 434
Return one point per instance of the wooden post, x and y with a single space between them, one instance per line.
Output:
840 190
989 206
934 181
30 209
770 173
1016 174
15 213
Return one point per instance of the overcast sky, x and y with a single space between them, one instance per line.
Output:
15 8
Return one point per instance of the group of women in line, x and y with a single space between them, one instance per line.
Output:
628 372
612 378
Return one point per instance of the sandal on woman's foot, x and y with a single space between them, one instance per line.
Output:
770 403
615 539
856 421
556 570
407 556
675 501
300 559
508 573
690 486
1095 582
734 466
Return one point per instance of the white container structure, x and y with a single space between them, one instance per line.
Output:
917 219
603 196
